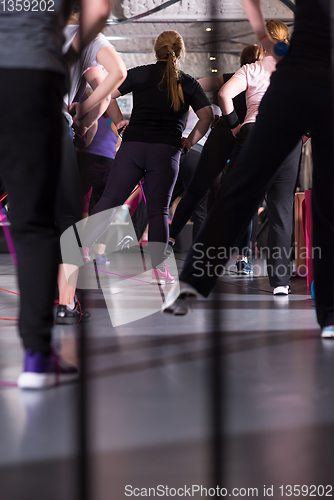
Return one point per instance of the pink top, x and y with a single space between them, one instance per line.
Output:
257 78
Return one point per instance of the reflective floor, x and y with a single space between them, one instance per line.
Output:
152 395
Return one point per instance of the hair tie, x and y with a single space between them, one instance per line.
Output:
171 52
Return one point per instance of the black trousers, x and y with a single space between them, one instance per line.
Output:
30 154
216 151
280 198
280 203
68 193
289 108
188 165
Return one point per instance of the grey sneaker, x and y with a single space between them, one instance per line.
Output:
101 259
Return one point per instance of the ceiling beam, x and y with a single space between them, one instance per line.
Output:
144 14
289 4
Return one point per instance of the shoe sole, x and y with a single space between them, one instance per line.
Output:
181 305
66 321
327 334
29 380
162 282
71 321
282 294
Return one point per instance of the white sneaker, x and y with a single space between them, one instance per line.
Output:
281 290
180 297
327 332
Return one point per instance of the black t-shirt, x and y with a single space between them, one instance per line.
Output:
153 119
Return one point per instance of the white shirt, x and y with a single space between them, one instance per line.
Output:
87 60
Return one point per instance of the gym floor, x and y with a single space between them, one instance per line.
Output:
152 404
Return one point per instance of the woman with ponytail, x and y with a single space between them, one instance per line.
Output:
152 143
254 79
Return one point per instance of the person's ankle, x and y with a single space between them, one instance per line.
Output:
161 267
170 248
242 258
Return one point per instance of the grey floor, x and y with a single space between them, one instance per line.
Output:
151 395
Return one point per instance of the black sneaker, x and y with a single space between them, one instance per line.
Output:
67 316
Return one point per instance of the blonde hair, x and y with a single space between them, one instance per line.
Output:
278 31
169 46
250 54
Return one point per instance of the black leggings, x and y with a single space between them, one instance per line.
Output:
68 194
67 210
237 148
188 165
216 151
159 164
94 171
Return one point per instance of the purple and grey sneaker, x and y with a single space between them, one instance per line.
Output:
45 371
102 259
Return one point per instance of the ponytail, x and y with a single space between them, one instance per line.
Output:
169 46
278 31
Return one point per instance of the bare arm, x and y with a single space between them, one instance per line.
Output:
114 129
225 96
99 101
91 134
114 112
116 69
94 15
253 9
211 83
205 118
94 76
